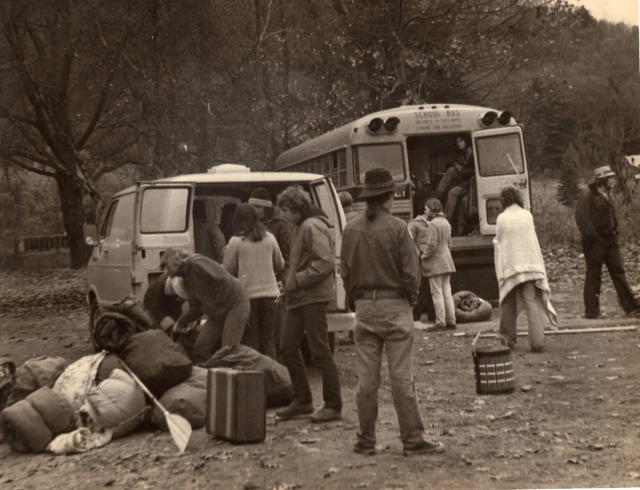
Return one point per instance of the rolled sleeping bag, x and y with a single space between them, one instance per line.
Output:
113 330
117 404
31 424
188 399
34 374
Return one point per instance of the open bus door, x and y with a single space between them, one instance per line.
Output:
500 161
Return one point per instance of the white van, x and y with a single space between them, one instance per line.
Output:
143 221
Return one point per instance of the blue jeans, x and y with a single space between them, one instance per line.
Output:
260 331
386 324
311 319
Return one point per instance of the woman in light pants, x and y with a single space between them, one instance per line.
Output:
437 264
521 274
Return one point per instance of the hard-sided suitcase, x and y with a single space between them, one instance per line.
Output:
236 405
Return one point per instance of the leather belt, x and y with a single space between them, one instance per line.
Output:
381 294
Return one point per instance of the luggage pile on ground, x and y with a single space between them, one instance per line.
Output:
73 408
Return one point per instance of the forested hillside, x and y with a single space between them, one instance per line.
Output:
95 95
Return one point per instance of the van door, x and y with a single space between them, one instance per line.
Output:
500 161
109 270
326 198
163 220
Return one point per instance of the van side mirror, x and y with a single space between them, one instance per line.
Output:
91 237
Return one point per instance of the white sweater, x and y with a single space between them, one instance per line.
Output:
255 264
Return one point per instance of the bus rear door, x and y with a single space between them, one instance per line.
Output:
500 161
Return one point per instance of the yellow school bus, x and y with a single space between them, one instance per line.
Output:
422 146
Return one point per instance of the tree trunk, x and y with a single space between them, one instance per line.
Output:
73 217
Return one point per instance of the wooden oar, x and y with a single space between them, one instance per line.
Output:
179 428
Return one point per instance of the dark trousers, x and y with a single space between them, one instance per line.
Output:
312 320
424 301
607 252
260 331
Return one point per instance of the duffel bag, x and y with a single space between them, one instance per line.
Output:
156 360
188 399
242 357
471 308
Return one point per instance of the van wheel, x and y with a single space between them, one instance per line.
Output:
94 313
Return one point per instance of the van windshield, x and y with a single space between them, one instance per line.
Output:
367 157
164 210
500 155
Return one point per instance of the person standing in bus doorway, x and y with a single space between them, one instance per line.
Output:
309 288
253 256
211 291
461 171
418 230
522 278
596 220
207 237
437 264
279 227
381 272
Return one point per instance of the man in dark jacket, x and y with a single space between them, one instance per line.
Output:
596 220
164 308
211 291
308 289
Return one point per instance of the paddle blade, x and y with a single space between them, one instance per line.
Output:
180 430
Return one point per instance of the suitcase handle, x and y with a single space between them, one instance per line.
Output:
497 334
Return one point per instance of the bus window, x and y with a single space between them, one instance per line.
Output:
499 155
367 157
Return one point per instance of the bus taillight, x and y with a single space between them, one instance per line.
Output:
375 125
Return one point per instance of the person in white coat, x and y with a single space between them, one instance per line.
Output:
521 274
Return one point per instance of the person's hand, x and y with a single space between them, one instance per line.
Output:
167 323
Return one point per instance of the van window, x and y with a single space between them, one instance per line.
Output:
164 210
108 221
500 155
120 221
325 202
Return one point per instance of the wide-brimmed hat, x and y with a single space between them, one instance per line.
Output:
379 181
603 172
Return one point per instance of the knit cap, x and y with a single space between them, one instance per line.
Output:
260 197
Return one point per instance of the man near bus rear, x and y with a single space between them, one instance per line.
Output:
381 271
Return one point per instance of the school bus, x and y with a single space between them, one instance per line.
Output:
422 147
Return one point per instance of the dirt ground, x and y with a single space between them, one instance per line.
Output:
572 421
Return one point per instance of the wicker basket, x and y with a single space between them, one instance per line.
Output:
493 367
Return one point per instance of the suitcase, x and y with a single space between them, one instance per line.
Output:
236 405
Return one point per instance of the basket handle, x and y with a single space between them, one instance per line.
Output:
497 334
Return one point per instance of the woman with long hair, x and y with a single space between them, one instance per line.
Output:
253 256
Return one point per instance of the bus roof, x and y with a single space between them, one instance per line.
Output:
233 177
342 136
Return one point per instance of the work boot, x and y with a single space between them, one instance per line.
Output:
295 409
423 447
325 414
362 448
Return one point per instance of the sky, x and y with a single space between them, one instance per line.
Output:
611 10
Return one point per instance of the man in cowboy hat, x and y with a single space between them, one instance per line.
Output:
596 220
381 271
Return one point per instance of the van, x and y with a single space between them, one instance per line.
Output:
143 221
